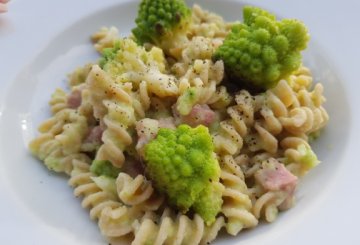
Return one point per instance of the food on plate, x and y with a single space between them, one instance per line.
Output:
188 126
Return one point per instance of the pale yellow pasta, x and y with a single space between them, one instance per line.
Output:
229 138
138 192
296 151
208 24
268 202
204 72
94 198
298 111
49 150
266 205
300 79
175 229
105 38
118 223
86 108
261 139
58 101
60 140
250 165
78 76
113 106
236 202
141 100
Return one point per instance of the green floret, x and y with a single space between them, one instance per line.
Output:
262 50
162 22
182 165
209 202
109 54
104 168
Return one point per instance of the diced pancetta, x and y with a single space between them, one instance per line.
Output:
94 135
199 115
275 177
74 99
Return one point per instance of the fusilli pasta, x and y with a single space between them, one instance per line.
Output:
99 132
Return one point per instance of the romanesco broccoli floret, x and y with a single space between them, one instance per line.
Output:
261 50
109 54
162 22
129 62
182 165
104 168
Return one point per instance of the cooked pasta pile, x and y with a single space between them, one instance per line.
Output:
261 141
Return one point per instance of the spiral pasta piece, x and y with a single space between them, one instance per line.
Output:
117 224
275 187
229 139
299 111
79 75
300 79
267 205
58 101
201 73
138 192
105 38
113 105
237 204
298 155
94 198
49 150
60 140
314 101
141 100
208 24
180 229
261 139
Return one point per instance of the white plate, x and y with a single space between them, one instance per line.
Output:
40 42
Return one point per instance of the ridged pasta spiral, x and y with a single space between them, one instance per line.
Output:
60 140
229 138
94 198
208 24
236 202
175 229
113 105
105 38
201 73
49 150
272 197
267 205
297 152
138 192
141 100
58 101
298 112
250 165
79 75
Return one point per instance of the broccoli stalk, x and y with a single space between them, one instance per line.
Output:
261 51
163 23
182 165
